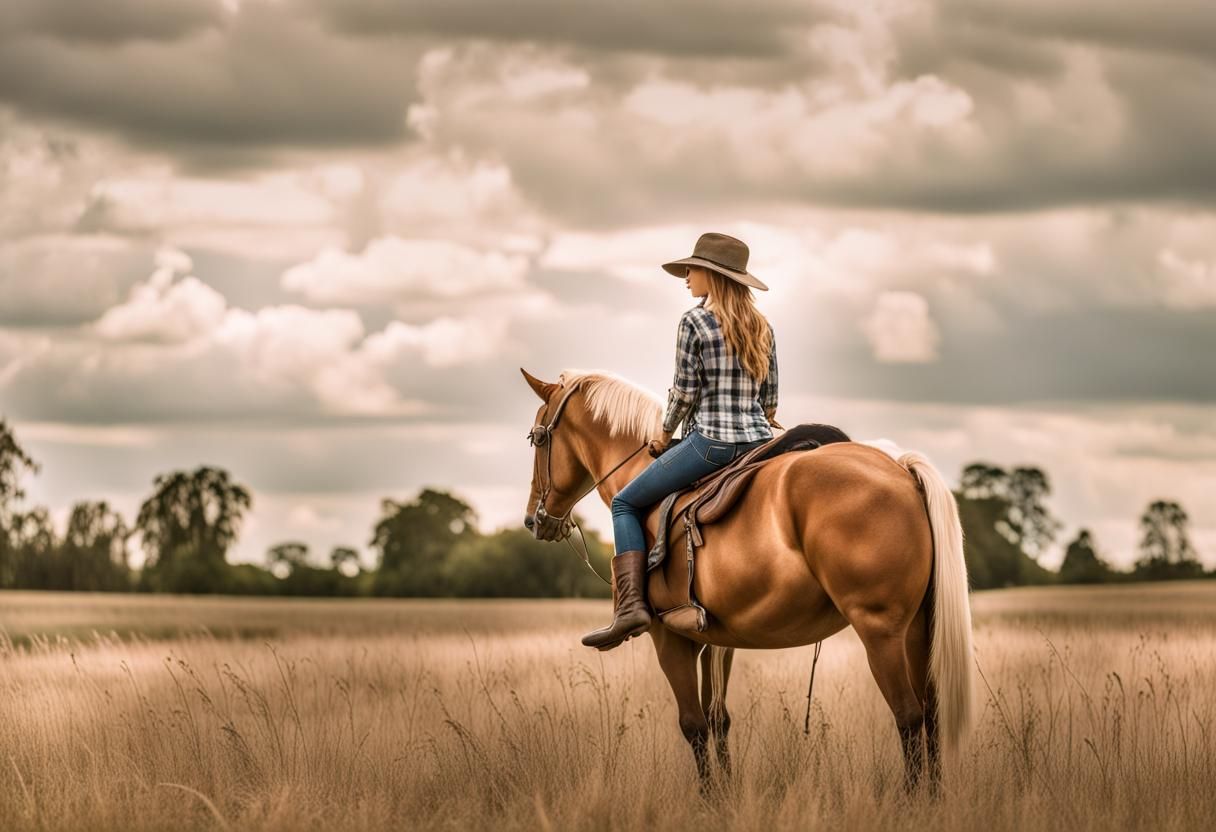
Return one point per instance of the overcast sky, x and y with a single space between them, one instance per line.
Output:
312 241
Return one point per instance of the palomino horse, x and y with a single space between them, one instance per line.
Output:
841 535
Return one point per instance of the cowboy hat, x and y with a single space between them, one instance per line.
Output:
720 253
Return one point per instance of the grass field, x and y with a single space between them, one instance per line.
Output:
132 712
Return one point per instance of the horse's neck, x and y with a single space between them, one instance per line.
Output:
604 452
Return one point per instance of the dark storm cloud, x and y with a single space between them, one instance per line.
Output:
111 21
1187 26
1026 39
675 27
1066 106
935 43
1154 62
266 78
1036 124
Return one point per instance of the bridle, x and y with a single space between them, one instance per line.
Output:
541 436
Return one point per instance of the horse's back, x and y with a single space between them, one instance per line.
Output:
804 541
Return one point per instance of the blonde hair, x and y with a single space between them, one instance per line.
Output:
744 327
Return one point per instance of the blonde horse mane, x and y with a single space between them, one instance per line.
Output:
626 408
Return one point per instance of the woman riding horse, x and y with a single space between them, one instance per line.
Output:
725 394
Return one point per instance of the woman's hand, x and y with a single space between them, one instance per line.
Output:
657 446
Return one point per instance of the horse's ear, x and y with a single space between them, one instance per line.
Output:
544 389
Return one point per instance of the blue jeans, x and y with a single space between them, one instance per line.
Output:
688 460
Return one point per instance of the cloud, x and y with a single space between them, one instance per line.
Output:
876 127
274 215
641 148
900 329
1075 100
164 310
18 351
64 279
119 21
475 203
803 259
45 177
176 350
699 27
396 270
443 342
290 348
633 254
228 94
1183 26
1188 283
613 115
291 212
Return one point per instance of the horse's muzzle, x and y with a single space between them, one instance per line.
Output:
546 527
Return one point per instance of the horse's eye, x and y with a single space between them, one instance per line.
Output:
537 436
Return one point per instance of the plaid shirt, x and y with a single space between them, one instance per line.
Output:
712 392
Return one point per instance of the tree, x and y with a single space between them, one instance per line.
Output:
291 555
414 539
13 460
512 563
34 549
304 579
344 559
94 552
188 524
1028 522
250 579
1165 546
992 559
1006 524
1082 563
982 480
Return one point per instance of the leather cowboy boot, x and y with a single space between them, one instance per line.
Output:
631 615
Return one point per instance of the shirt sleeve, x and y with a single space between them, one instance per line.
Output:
687 382
768 387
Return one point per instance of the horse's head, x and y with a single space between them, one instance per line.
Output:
559 474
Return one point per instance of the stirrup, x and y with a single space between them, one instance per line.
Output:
687 618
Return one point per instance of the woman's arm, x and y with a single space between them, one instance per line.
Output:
687 381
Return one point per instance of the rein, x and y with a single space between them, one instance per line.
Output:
540 436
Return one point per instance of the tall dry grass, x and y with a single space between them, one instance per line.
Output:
1097 713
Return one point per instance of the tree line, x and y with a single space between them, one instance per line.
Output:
431 547
1007 526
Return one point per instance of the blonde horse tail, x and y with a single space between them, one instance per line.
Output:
950 652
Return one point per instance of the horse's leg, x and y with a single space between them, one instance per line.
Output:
715 711
678 658
885 643
918 670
